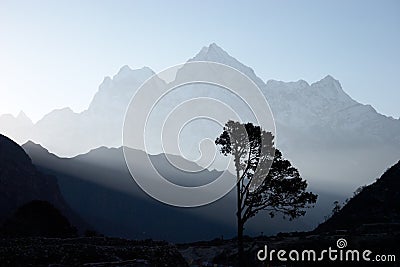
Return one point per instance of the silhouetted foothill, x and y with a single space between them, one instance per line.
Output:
374 208
21 182
38 218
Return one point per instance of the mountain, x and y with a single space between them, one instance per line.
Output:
378 203
98 186
322 111
18 127
68 133
214 53
21 182
337 143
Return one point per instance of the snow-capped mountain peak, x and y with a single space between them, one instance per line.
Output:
124 68
214 53
279 85
331 89
126 73
23 117
297 107
328 81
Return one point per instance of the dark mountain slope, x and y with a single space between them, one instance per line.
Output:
38 219
378 203
21 182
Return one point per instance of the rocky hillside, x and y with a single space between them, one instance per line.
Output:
21 182
378 203
38 218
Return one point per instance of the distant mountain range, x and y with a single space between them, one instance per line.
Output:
98 186
322 111
337 143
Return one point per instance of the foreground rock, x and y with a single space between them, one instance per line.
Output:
380 239
93 251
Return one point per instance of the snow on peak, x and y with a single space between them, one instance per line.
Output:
331 88
126 73
106 83
302 83
214 53
21 115
125 68
20 119
280 85
328 81
115 93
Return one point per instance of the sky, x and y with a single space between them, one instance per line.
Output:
54 54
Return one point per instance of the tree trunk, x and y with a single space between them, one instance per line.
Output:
241 260
239 225
240 222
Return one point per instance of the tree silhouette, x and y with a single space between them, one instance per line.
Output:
265 180
336 207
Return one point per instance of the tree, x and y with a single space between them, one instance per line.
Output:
359 190
265 181
336 207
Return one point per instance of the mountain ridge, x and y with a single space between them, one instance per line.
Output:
21 182
213 53
318 124
104 194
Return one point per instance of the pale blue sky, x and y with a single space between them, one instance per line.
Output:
55 53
